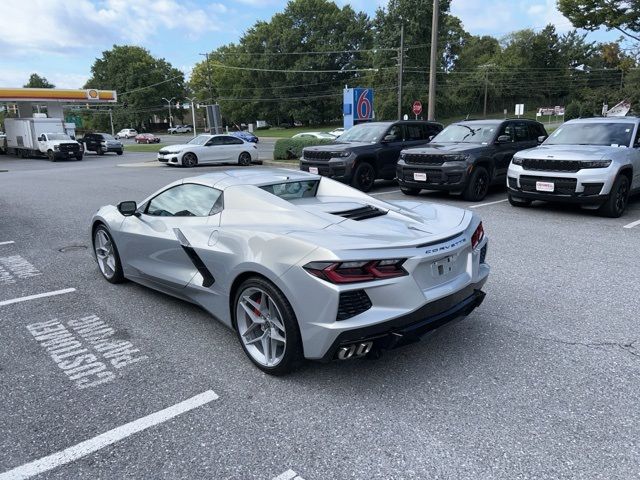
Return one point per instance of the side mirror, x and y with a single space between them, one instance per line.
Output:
41 138
431 137
389 138
504 139
128 208
542 138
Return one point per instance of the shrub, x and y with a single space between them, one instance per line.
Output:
291 148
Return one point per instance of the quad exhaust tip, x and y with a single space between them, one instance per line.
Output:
354 350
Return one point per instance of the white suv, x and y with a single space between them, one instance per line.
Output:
127 133
594 162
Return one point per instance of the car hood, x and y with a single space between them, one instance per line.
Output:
570 152
175 148
440 148
338 147
323 222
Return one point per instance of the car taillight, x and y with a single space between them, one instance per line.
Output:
358 271
477 236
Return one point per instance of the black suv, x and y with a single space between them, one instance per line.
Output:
367 151
467 157
101 143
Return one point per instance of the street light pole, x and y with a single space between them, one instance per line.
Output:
210 87
400 69
434 60
169 102
111 121
193 113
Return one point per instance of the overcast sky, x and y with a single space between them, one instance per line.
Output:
61 38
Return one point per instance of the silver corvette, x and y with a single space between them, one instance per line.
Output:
299 265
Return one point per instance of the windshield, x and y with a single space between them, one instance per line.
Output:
462 133
587 133
364 133
199 140
58 136
293 190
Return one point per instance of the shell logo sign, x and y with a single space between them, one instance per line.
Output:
57 95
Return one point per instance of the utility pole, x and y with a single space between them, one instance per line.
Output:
431 115
210 86
113 132
400 69
169 102
193 113
486 85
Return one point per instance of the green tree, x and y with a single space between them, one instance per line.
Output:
36 81
621 15
141 80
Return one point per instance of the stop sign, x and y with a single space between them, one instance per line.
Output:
417 107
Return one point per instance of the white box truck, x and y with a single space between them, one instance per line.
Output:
51 137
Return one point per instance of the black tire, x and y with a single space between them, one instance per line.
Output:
51 156
616 204
99 151
293 356
79 158
519 202
189 160
478 185
118 276
410 191
119 152
364 177
244 159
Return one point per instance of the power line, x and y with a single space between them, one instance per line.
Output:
352 70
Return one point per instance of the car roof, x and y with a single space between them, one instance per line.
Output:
605 120
254 176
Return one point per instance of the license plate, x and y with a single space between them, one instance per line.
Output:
545 186
445 266
313 170
420 177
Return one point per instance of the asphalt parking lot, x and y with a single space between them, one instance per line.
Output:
540 382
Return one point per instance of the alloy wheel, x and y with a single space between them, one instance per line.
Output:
104 253
261 327
621 197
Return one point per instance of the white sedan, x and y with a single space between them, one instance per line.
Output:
316 135
210 149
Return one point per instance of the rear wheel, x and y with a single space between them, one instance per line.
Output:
78 157
615 206
410 191
99 151
189 160
518 202
119 152
267 327
244 159
364 177
107 255
478 185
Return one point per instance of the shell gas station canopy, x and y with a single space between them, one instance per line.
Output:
54 98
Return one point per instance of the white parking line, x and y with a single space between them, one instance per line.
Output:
632 224
288 475
490 203
94 444
7 243
38 295
384 193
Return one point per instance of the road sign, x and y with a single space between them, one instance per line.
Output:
417 107
519 109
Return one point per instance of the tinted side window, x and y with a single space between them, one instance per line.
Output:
508 129
396 132
188 200
415 131
521 132
215 141
232 141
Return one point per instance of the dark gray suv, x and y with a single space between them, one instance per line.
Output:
467 157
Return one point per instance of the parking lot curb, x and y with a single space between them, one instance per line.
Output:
275 163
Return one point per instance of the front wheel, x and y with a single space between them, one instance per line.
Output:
267 327
99 151
615 206
244 159
478 185
107 255
189 160
51 156
78 157
518 202
119 152
364 177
